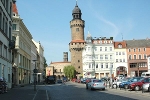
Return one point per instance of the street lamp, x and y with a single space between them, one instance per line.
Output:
35 71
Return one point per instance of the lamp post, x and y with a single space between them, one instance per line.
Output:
35 71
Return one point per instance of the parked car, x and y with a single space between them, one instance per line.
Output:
83 80
138 85
95 84
146 87
125 85
117 82
59 81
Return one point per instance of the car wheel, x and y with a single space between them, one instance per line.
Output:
125 86
137 88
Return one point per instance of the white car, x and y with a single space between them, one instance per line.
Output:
95 84
145 87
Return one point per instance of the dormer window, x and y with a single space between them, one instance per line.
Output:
119 45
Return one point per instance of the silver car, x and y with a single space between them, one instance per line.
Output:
145 87
95 84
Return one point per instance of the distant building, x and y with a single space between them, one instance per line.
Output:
137 52
121 64
98 57
56 68
77 40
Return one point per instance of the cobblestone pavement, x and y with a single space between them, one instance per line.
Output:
25 93
71 91
77 91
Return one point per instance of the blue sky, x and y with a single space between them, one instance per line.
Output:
49 21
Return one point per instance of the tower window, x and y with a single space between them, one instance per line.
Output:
79 67
77 29
78 60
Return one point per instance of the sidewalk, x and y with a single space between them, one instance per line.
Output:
25 93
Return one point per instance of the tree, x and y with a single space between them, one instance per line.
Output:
69 71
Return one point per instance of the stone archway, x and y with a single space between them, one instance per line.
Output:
121 70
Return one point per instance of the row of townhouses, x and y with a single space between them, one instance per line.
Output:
104 57
19 53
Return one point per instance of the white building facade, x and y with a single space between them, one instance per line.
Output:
98 57
40 61
121 64
5 41
22 56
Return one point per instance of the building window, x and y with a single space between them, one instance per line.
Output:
96 65
116 53
14 26
106 65
130 57
89 65
110 56
95 48
119 53
134 50
120 60
119 46
78 67
0 49
78 60
140 57
111 65
5 52
123 53
105 48
106 56
101 65
139 49
116 60
101 57
100 48
77 29
145 56
123 60
134 56
129 50
110 48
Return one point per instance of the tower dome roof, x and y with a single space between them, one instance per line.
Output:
76 10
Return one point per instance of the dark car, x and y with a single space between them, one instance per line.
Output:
125 85
59 81
50 80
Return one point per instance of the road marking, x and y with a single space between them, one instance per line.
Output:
47 95
35 95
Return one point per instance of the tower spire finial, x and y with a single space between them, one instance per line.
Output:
76 3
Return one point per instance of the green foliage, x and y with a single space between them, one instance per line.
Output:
69 71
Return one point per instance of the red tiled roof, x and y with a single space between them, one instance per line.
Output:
123 43
14 8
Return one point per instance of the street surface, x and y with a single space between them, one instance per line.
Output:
70 91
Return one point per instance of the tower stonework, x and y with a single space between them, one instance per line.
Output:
77 43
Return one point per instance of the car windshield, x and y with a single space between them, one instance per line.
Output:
126 79
140 79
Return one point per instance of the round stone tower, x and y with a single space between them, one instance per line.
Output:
77 43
